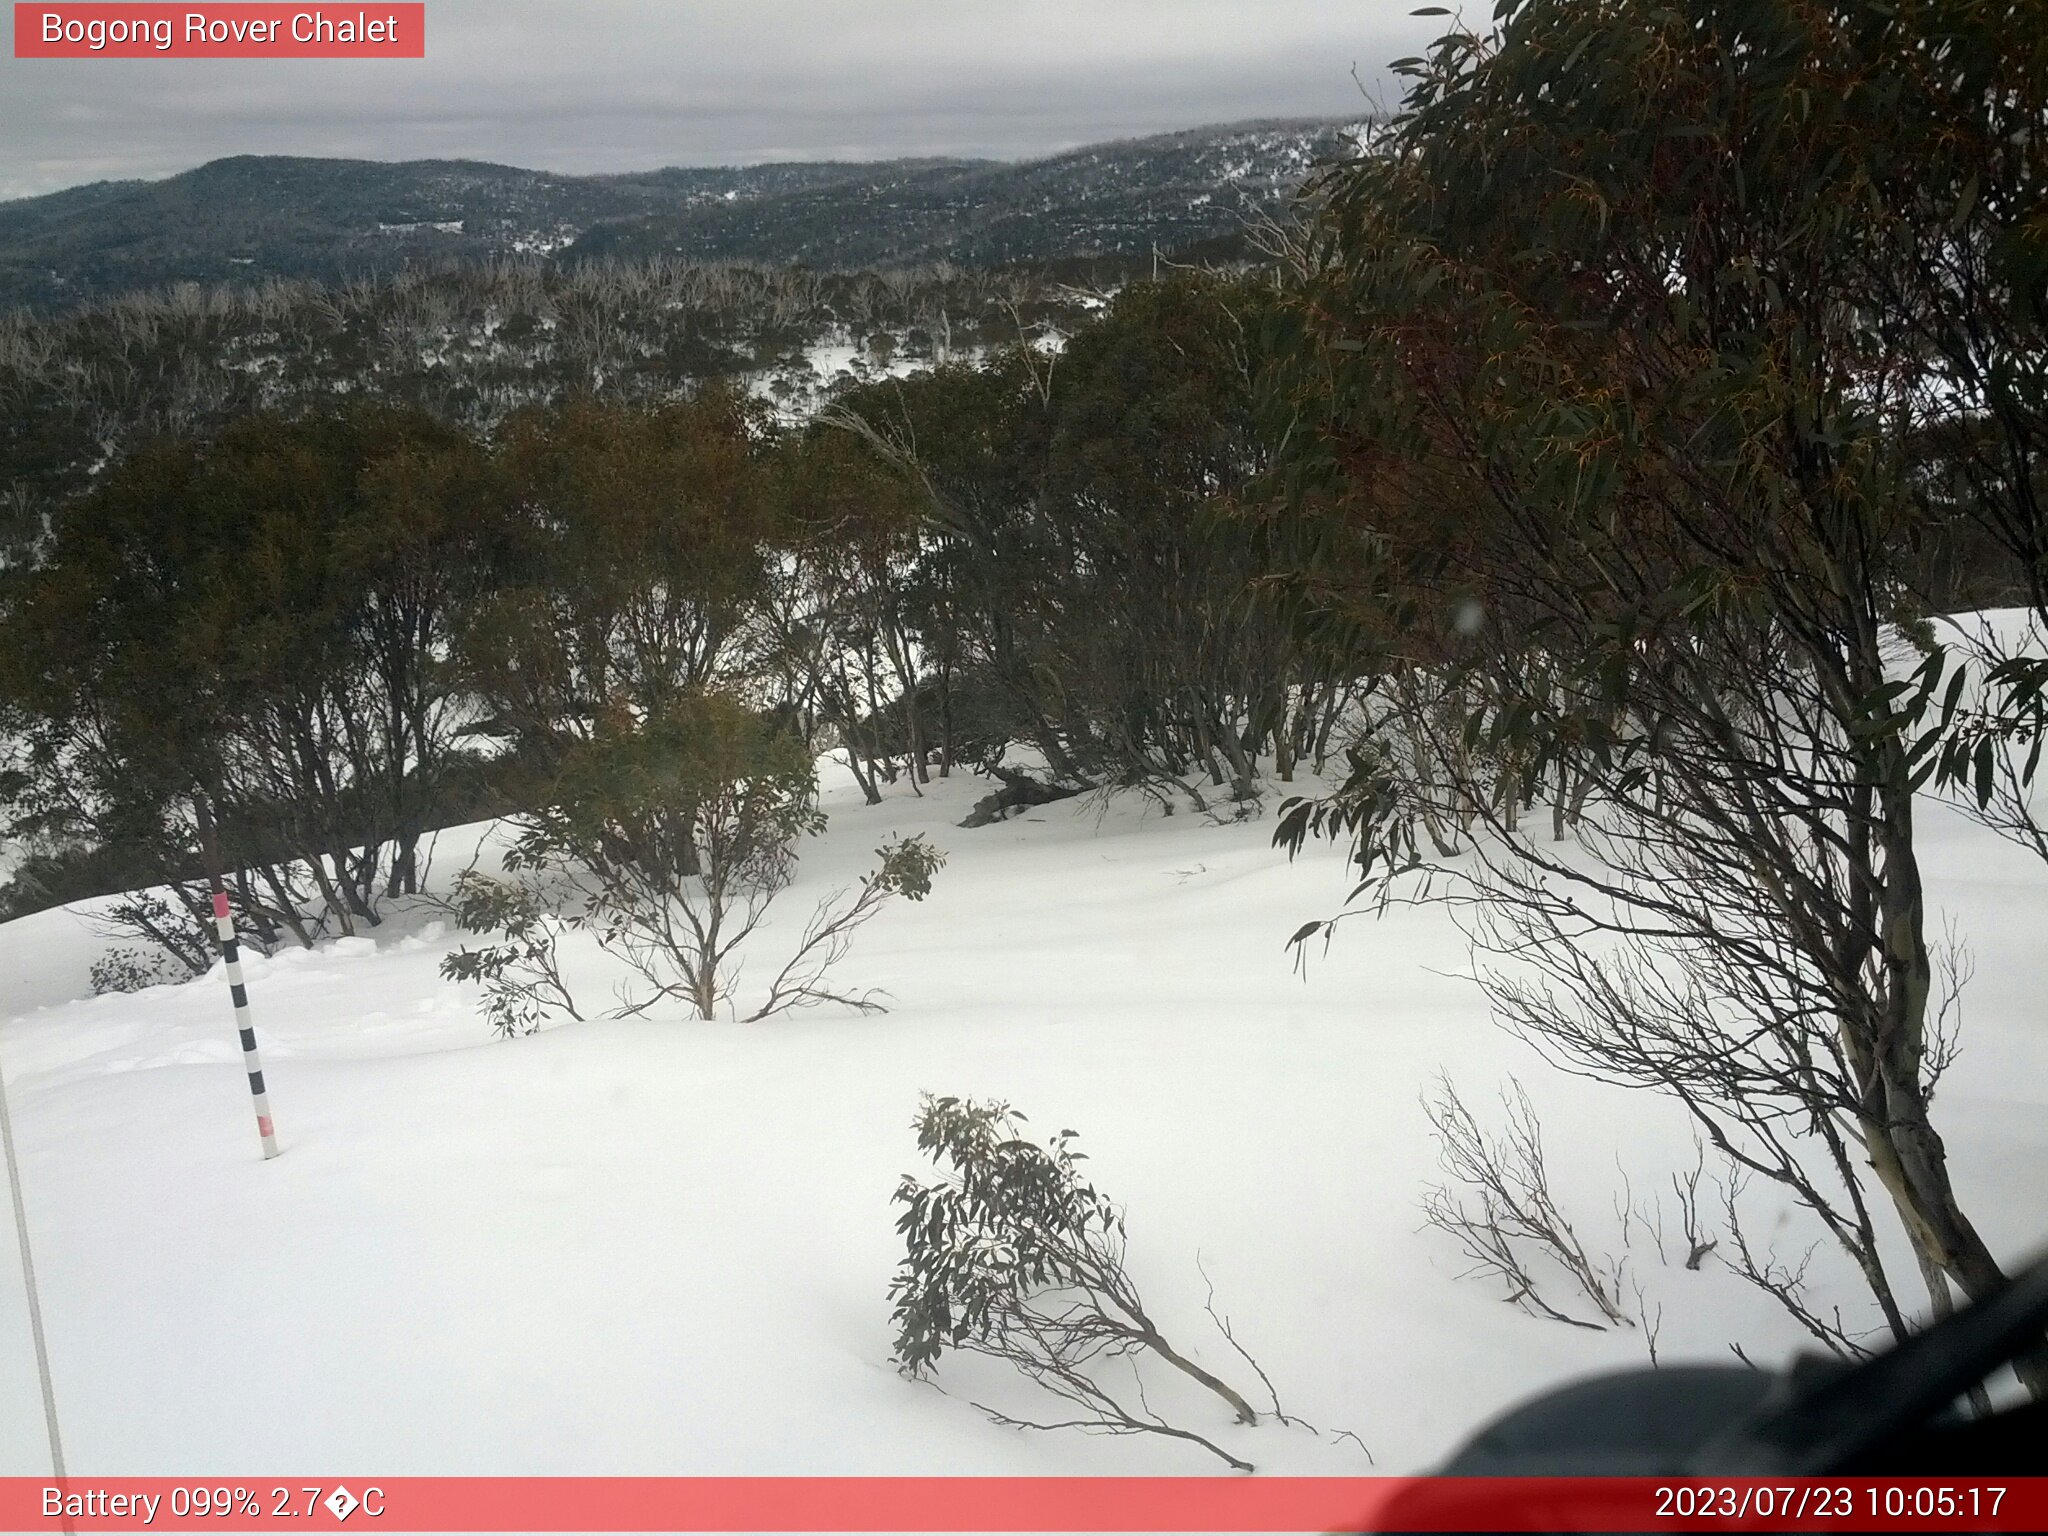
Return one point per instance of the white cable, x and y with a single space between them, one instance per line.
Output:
28 1280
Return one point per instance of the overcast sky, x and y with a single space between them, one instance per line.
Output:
611 85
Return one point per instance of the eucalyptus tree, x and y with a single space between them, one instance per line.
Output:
1594 411
259 617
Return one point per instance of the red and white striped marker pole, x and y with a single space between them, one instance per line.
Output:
231 952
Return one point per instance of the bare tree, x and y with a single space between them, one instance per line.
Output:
1500 1208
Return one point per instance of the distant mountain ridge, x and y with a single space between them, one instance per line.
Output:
253 217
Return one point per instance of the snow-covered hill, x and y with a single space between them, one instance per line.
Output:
661 1246
252 218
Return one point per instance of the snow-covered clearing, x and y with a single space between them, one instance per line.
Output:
662 1246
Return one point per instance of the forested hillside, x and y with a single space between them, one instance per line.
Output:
471 345
255 218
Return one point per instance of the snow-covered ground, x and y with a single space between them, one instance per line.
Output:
662 1246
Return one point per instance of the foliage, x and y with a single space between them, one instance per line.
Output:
857 616
1613 402
257 616
130 969
470 346
1014 1255
906 869
635 547
1016 1217
521 977
1089 559
683 828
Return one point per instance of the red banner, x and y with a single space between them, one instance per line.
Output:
235 31
1053 1504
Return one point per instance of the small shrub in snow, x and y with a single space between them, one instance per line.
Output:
683 827
130 970
1014 1256
521 979
1501 1209
180 938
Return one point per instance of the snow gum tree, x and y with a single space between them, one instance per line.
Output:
637 552
852 622
1091 552
1598 411
262 617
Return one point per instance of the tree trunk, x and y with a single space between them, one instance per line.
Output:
1906 1151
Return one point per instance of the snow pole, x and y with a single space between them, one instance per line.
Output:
231 952
35 1301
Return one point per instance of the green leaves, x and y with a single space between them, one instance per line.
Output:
636 541
259 613
1011 1218
521 981
907 866
1984 716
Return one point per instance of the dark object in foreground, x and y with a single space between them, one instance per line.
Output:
1894 1415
